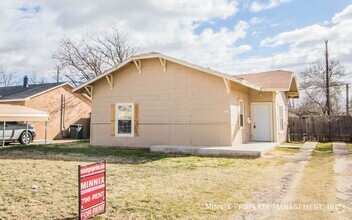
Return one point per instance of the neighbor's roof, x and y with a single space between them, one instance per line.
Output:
278 80
20 93
21 113
250 82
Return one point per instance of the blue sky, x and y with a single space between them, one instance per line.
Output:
232 36
288 16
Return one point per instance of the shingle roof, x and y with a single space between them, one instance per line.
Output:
20 92
272 80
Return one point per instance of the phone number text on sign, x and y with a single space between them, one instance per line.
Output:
92 190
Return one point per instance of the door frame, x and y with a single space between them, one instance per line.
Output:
270 120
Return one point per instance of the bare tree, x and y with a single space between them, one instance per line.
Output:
35 79
81 60
7 78
313 83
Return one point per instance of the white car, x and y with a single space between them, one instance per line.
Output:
16 131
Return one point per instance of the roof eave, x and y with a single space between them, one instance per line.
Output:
101 75
211 71
185 63
293 79
275 89
14 100
52 88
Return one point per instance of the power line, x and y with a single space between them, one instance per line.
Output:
323 87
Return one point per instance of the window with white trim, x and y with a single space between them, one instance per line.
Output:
125 119
241 112
281 117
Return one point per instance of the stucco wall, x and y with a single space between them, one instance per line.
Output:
240 135
181 106
281 99
275 99
77 111
257 96
263 97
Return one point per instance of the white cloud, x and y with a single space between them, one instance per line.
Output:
256 20
28 35
212 49
259 6
299 36
306 45
346 14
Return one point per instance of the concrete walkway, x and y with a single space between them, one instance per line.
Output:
252 149
343 175
282 189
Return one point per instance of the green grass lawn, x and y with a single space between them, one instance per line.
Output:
139 184
325 148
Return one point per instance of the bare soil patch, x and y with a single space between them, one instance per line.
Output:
343 178
265 202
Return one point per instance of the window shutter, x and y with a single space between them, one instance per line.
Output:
113 119
136 119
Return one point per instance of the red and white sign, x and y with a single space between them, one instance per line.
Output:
92 190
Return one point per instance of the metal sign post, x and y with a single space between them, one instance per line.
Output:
91 190
3 134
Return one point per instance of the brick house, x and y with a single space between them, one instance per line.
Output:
64 107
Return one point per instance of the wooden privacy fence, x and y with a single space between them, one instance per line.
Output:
312 129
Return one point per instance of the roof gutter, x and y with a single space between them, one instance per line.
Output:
14 100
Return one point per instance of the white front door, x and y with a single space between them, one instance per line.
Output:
261 121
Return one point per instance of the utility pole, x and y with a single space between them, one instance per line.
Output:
347 101
327 79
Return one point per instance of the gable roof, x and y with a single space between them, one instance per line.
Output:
181 62
278 80
252 81
20 93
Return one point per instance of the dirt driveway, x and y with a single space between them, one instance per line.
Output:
316 184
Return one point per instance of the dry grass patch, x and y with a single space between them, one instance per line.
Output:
349 147
139 184
283 151
294 143
317 186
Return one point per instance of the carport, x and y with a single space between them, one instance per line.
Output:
22 113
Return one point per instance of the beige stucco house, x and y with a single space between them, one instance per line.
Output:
153 99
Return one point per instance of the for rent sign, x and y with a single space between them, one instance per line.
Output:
92 189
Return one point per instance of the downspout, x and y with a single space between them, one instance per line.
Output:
62 117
